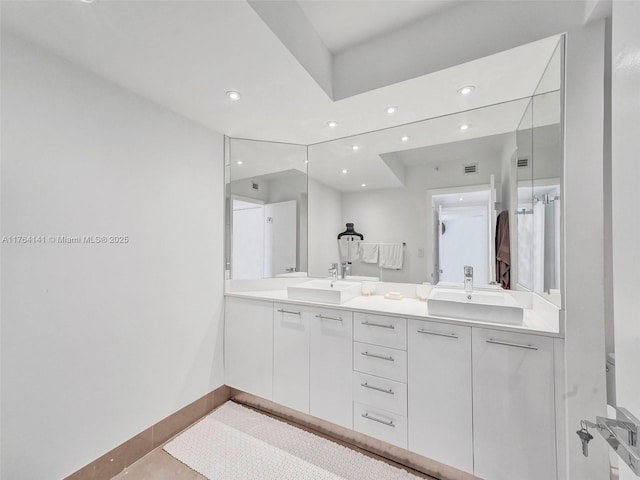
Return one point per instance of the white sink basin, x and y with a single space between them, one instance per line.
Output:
325 291
495 307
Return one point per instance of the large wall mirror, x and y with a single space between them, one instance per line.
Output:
434 190
266 209
479 188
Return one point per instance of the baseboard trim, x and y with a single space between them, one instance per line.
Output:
353 439
124 455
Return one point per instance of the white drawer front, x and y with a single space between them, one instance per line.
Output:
378 423
380 393
380 361
380 330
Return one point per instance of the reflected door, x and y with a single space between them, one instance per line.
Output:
248 240
280 238
463 240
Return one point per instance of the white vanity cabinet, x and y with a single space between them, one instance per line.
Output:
331 344
513 406
312 361
440 393
248 338
291 357
380 377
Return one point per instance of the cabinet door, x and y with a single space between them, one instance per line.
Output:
291 357
440 408
513 406
331 333
248 345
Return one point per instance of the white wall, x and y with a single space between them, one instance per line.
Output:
626 220
583 288
101 341
325 212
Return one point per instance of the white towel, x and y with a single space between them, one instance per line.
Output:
368 252
391 255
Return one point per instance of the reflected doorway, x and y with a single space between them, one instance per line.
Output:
463 235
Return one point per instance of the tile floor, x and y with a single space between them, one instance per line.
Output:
159 465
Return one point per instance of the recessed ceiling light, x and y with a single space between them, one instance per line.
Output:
391 110
356 147
306 161
332 124
464 126
363 185
233 95
466 90
344 170
87 1
404 138
239 162
461 199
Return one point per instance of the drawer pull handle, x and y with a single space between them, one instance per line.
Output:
380 325
381 357
366 385
289 311
384 422
439 334
509 344
322 317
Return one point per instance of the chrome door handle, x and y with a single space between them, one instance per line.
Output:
322 317
381 357
369 324
366 385
439 334
288 311
509 344
384 422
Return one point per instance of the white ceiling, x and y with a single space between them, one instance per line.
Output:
186 55
346 23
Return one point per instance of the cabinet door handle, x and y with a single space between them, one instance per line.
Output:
384 422
322 317
369 324
366 385
509 344
381 357
439 334
288 311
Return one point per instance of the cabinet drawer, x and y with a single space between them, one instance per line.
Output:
380 393
380 330
378 423
380 361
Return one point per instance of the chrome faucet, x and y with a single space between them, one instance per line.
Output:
468 278
344 270
334 271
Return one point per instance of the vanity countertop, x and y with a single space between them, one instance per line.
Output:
539 321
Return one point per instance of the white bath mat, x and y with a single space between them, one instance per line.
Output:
237 443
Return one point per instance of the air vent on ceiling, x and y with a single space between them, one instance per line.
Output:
255 185
523 162
468 169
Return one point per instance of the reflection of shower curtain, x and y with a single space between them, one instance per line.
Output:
538 246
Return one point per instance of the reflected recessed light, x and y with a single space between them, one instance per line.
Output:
239 162
332 124
233 95
363 185
404 138
461 199
391 110
344 170
306 161
466 90
356 147
464 126
87 1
